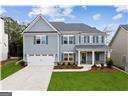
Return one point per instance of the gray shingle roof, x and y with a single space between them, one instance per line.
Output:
91 47
61 26
125 27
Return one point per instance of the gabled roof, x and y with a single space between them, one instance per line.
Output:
125 27
39 18
61 26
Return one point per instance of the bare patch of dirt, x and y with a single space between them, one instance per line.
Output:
68 67
103 69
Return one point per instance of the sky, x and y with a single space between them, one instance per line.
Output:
104 18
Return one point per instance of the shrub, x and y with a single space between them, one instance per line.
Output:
102 65
69 63
109 63
22 63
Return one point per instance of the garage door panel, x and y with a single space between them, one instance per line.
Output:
39 60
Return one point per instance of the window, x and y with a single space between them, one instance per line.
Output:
95 39
69 57
65 40
97 56
79 39
102 39
71 40
65 57
88 39
38 39
84 39
68 39
41 39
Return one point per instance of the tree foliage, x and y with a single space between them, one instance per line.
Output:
15 38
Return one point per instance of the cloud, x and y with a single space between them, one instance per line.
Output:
2 10
121 8
118 16
53 12
96 16
84 6
59 19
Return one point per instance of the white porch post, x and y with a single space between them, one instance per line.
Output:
105 55
78 57
93 57
108 54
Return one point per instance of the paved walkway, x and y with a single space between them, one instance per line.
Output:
85 68
34 77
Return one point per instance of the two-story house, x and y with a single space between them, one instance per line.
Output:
3 42
119 46
67 42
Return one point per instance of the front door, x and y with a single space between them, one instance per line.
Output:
83 58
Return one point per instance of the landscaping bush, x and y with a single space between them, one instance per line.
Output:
94 66
102 65
109 63
22 63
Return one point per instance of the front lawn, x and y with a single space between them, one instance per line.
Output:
9 68
93 81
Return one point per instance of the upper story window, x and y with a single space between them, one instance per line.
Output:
68 39
41 39
95 39
84 39
102 39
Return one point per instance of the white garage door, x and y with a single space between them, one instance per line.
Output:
39 60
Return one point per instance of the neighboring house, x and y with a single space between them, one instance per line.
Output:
3 42
119 46
67 42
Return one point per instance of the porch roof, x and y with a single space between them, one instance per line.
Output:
92 47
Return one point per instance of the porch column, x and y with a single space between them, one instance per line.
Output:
78 57
108 54
93 57
105 55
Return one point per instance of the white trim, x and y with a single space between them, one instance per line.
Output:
40 39
68 38
38 18
58 48
78 57
93 57
68 52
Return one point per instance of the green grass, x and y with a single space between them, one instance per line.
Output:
9 68
92 81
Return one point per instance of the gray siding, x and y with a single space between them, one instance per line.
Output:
31 48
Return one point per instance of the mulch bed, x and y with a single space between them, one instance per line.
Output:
68 67
104 69
4 62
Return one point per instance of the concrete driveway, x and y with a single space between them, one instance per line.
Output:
34 77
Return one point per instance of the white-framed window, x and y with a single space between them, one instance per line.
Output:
95 39
68 56
84 39
102 39
38 39
65 39
41 39
44 39
68 39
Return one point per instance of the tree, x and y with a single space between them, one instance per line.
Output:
14 31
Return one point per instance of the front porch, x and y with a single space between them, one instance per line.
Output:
92 54
91 57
